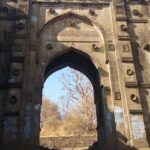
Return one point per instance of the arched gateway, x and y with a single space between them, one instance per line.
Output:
71 45
107 40
82 62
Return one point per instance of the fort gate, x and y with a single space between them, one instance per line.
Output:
107 40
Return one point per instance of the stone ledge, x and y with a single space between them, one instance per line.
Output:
103 2
145 85
131 20
136 111
17 59
7 18
136 85
11 114
123 18
122 38
131 84
25 36
127 59
10 85
138 20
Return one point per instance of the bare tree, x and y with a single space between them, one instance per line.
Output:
50 118
78 103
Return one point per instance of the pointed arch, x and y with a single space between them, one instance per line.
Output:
99 29
69 14
75 59
82 62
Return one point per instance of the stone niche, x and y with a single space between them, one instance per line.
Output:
120 10
13 101
133 98
15 73
129 72
21 28
18 48
122 29
138 11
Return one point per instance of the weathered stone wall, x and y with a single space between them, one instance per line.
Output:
112 36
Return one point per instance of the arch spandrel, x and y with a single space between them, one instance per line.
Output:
72 30
71 26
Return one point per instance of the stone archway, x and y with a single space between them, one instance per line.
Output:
83 63
73 40
37 32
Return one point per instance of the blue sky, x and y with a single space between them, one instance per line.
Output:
52 88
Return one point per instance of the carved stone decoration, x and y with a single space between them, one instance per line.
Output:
117 95
126 48
92 12
130 72
147 47
120 9
111 47
124 37
13 99
136 12
20 26
136 112
49 46
133 97
124 27
52 10
131 84
106 61
18 47
71 23
15 72
127 59
96 48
